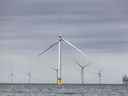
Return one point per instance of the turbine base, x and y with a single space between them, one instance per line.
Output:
59 81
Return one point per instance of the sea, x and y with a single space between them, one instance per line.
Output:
63 90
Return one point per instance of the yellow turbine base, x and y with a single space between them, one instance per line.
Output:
59 81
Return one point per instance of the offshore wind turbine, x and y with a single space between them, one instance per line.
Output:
11 77
55 69
82 70
59 42
100 76
29 76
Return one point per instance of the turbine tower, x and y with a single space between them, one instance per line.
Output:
56 73
99 75
82 70
59 42
11 77
29 76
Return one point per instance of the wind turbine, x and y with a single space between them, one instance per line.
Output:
59 42
82 70
55 69
11 77
29 76
99 75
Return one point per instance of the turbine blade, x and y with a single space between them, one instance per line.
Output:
87 65
48 48
78 64
54 69
75 48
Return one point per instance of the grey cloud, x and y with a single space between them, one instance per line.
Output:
27 27
103 22
24 7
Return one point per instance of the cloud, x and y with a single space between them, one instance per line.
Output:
95 24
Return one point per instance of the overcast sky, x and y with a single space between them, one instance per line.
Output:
98 27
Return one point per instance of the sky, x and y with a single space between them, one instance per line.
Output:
97 27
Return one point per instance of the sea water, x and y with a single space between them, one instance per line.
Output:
64 90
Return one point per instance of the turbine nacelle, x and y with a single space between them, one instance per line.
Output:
60 37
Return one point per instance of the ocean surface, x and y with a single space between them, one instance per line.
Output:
64 90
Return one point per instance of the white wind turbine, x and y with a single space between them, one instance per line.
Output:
59 42
11 77
99 76
29 76
82 70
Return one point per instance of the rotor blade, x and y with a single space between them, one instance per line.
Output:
75 48
87 65
78 63
48 48
54 69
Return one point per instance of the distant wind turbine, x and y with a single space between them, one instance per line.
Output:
11 77
99 76
59 42
29 76
82 70
56 73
